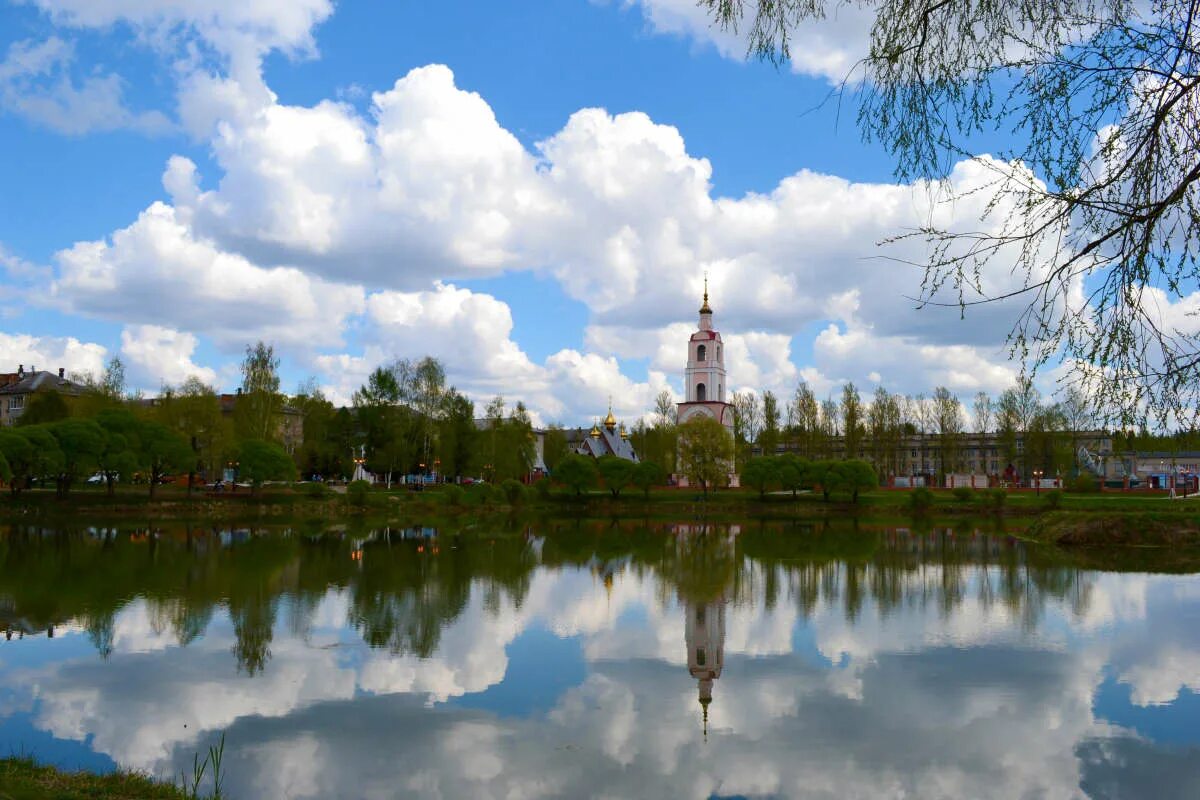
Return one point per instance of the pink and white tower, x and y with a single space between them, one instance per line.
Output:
704 377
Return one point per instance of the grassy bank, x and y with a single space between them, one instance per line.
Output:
25 779
1110 518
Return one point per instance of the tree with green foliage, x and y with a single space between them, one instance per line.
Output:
119 458
163 451
760 473
385 423
260 461
43 408
45 457
193 410
554 447
852 421
81 442
791 472
576 472
849 477
457 434
6 473
258 406
948 417
616 472
18 454
646 475
706 452
1099 187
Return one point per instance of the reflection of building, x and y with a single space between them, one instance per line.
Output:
705 638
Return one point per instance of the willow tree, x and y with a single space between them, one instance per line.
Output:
1095 206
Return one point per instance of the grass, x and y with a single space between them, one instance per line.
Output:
23 778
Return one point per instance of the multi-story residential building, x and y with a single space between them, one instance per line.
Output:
18 388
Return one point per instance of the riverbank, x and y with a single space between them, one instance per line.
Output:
1109 519
25 779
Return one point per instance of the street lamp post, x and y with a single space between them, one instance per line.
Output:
1037 481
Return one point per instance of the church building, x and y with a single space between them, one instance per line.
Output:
704 382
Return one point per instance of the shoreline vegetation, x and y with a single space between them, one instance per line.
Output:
24 778
1065 519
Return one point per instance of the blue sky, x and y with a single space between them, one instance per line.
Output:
530 191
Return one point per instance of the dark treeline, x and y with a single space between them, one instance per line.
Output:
405 587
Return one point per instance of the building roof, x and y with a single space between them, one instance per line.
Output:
609 442
40 381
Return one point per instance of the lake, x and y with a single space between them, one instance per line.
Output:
608 659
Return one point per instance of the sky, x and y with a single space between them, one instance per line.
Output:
532 192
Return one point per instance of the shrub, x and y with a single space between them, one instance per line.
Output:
997 498
315 490
358 492
920 499
513 491
453 495
1053 498
963 494
477 494
543 487
1085 482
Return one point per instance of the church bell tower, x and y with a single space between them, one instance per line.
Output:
704 380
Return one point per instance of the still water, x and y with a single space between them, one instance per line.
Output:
604 659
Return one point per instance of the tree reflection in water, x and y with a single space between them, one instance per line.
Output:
404 586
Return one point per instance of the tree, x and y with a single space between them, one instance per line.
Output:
43 454
119 457
576 472
616 472
768 437
760 473
647 474
947 412
665 410
259 404
6 473
747 419
851 420
18 454
260 461
162 451
806 412
554 447
705 452
1098 192
849 477
791 472
193 410
983 413
44 407
426 393
81 442
385 424
457 434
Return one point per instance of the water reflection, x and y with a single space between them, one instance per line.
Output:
604 658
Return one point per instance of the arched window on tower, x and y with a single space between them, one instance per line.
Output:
701 393
701 351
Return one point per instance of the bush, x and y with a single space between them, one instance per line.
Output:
315 490
453 495
358 492
1085 482
513 491
963 494
997 498
920 499
477 494
1054 498
543 487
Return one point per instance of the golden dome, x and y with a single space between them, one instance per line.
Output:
624 432
704 309
610 421
595 434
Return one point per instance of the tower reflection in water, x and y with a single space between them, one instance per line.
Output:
700 548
